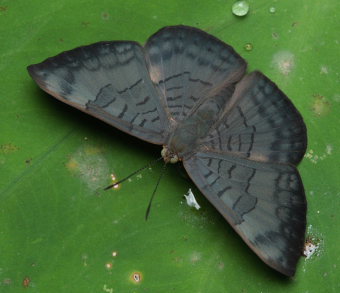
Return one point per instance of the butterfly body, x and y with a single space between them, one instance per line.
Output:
238 135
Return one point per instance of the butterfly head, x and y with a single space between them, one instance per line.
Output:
169 156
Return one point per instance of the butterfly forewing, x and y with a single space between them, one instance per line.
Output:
108 80
264 203
188 65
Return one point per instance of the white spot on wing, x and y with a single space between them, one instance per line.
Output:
191 200
155 74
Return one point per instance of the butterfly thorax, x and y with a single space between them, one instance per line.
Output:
183 140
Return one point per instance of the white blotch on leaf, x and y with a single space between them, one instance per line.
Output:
323 70
329 149
336 98
314 243
84 257
191 200
90 165
315 158
309 249
195 257
108 266
107 289
284 62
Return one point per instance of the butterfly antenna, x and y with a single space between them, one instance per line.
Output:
154 192
134 173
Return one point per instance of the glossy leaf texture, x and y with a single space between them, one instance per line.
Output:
59 232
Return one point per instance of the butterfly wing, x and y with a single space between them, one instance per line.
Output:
110 81
264 202
189 66
259 123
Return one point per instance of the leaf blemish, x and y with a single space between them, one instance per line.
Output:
90 165
321 105
311 246
136 277
106 289
195 257
315 158
8 148
26 282
284 62
114 180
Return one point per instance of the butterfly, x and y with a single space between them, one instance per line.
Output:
238 135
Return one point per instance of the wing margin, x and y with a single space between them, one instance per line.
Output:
265 203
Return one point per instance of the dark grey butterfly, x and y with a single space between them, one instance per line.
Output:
238 135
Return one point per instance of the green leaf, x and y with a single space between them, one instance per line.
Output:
59 232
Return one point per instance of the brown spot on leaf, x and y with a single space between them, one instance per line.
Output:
26 282
321 106
136 277
8 148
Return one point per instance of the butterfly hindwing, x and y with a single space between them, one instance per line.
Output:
110 81
264 202
259 123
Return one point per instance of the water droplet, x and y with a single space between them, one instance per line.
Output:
248 46
240 8
272 9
